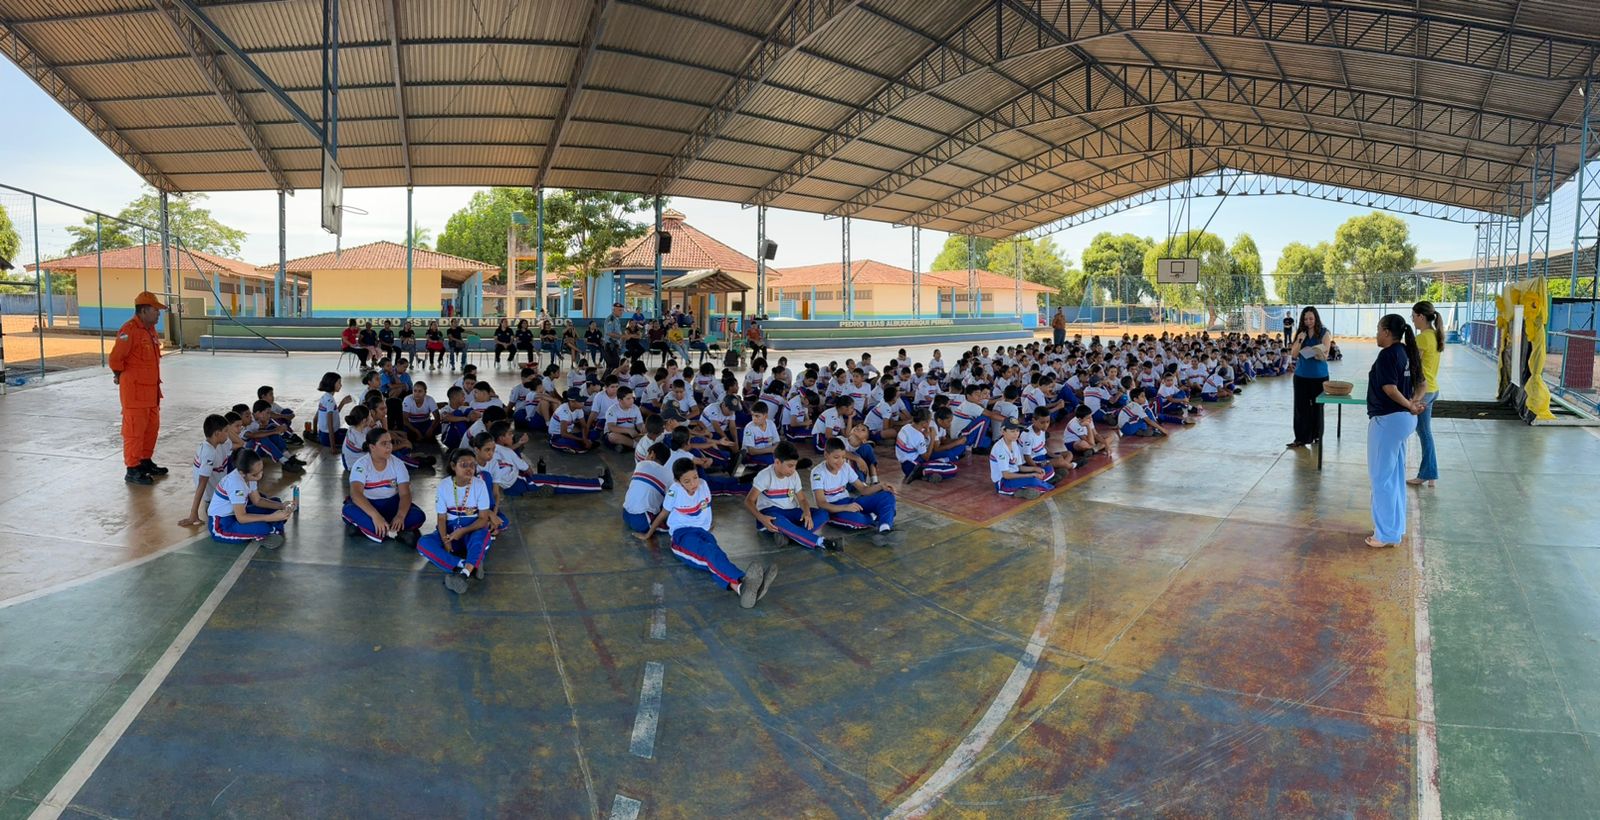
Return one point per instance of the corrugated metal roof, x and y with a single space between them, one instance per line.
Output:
840 123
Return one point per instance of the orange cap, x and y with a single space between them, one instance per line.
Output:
148 299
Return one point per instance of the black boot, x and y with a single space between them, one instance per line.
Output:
137 476
152 468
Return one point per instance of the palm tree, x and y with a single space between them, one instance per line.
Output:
420 238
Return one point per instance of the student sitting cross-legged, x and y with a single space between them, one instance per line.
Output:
239 513
916 448
467 523
686 515
1011 474
379 505
779 503
831 483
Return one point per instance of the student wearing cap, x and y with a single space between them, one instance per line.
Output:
136 370
569 425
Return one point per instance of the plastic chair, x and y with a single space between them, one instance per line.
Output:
354 359
474 345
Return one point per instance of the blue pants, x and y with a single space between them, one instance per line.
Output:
797 432
272 447
790 525
725 485
568 444
454 433
336 443
938 466
1009 486
431 546
561 484
699 547
388 508
1430 456
230 530
638 522
764 459
1134 428
977 434
876 509
1386 467
867 454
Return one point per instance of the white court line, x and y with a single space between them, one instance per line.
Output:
66 789
625 808
96 575
965 756
644 724
1428 803
658 618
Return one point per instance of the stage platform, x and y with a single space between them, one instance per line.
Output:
1192 627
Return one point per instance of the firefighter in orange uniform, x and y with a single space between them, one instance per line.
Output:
136 369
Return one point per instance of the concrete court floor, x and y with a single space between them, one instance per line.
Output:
1196 631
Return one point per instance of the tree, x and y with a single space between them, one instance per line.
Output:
581 228
1042 263
478 231
1299 279
10 242
1245 270
1561 286
1115 264
953 256
420 238
1215 292
1371 260
1441 291
188 223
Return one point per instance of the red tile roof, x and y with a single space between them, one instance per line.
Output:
386 255
692 249
130 259
873 272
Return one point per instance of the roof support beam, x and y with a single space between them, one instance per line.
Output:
799 25
206 62
223 41
17 48
392 9
1164 168
580 72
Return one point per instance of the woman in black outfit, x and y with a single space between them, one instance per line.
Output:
524 339
1310 354
503 341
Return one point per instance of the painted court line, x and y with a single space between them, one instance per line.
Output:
625 808
965 757
97 574
1428 805
658 619
66 789
644 724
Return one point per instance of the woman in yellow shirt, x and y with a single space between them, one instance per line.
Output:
1430 341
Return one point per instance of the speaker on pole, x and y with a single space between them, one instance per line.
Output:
664 243
769 252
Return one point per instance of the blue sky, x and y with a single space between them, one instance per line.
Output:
44 149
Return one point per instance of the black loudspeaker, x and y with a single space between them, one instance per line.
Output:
664 243
770 251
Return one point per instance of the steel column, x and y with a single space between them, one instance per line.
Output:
1586 220
972 278
916 271
847 295
100 288
283 255
1511 243
1542 179
166 250
1016 244
660 308
38 266
761 260
538 253
411 231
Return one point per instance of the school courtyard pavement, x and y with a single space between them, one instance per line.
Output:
1192 629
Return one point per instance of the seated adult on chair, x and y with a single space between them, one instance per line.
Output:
350 342
756 339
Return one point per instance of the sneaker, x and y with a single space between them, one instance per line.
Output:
350 530
270 542
543 491
540 469
832 545
1027 493
885 528
456 582
606 483
151 468
293 466
137 476
932 478
750 586
766 581
408 537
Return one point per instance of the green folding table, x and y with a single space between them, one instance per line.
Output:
1358 395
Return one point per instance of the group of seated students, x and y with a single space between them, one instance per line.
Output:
698 433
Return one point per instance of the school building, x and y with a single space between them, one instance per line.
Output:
205 284
370 281
884 291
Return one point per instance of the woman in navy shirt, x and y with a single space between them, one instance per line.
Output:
1395 387
1310 354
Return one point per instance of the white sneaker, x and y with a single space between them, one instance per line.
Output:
884 528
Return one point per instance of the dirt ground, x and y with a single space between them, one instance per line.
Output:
64 347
